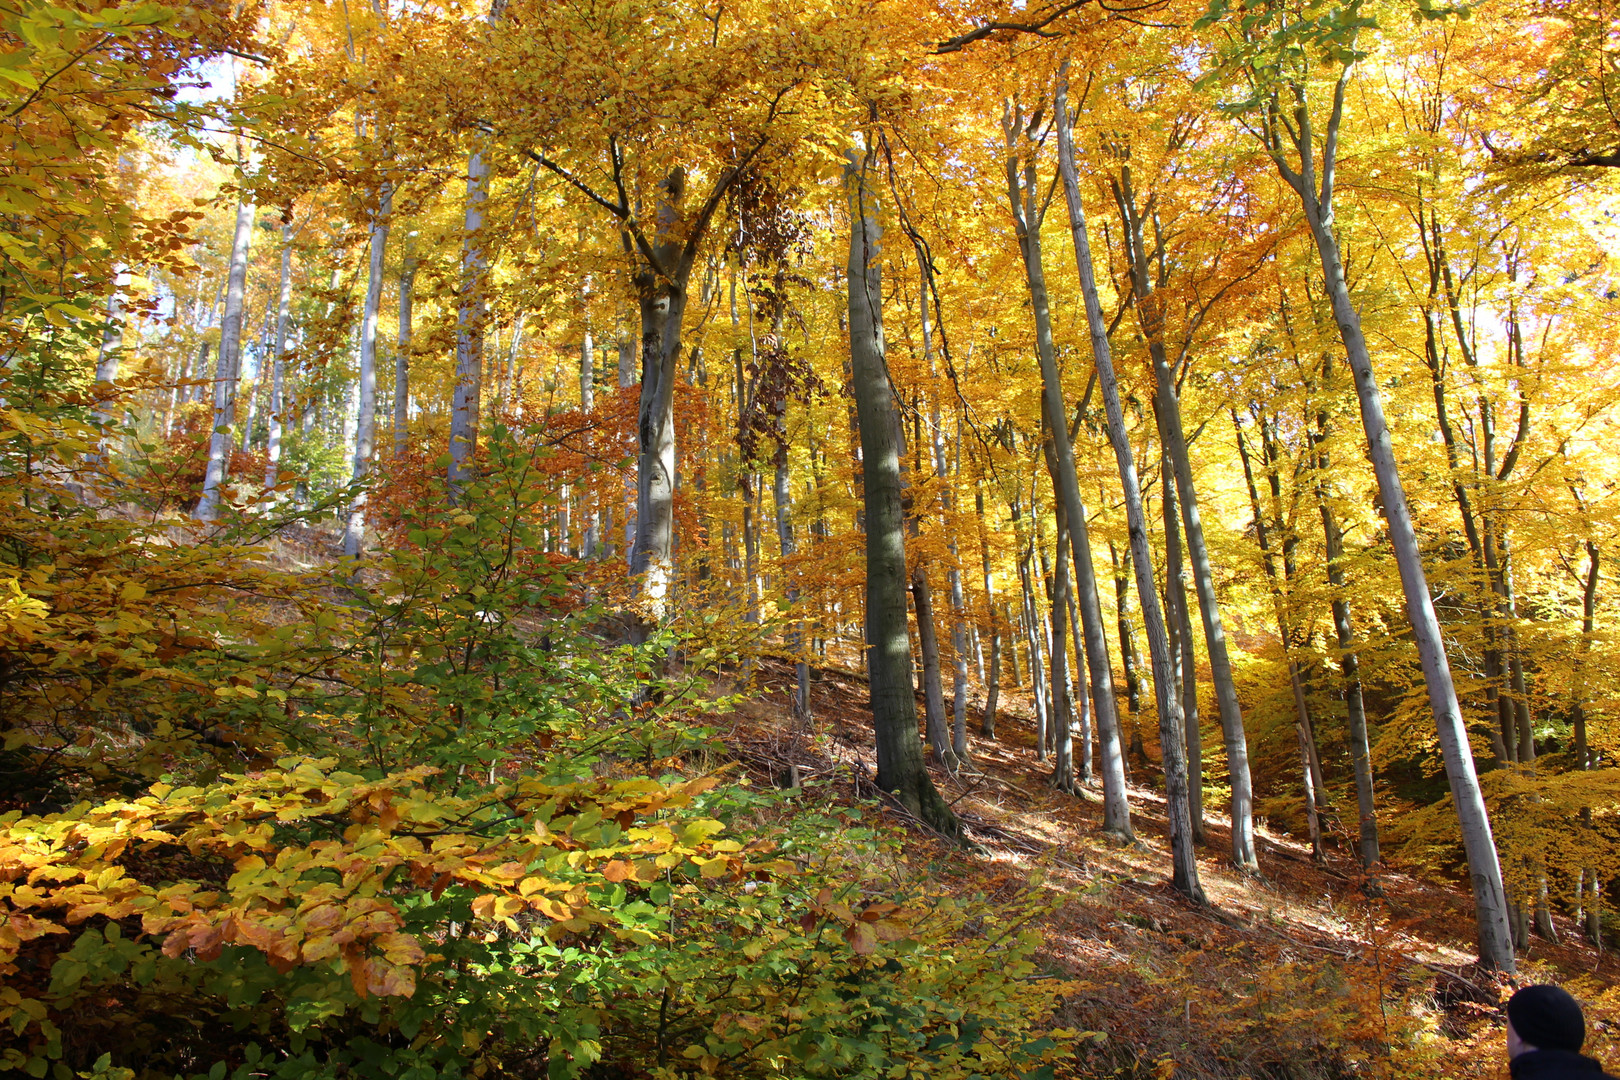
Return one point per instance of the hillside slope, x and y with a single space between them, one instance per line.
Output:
1299 972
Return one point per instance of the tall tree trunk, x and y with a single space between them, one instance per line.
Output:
1185 863
992 693
354 535
467 400
1285 633
1127 646
1485 873
1349 664
1116 807
935 725
1039 699
278 362
402 356
1184 662
230 359
627 378
894 708
1167 411
959 675
1062 692
587 405
783 494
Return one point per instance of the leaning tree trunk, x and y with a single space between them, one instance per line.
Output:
1185 863
365 432
1485 872
894 706
230 360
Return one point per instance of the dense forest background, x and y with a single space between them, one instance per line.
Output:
804 537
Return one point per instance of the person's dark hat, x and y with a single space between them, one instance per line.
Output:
1547 1018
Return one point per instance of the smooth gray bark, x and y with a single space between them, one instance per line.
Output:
1183 661
1167 412
1302 715
1022 197
992 693
365 430
1349 662
467 400
1485 872
900 768
402 357
590 547
278 363
230 359
1184 873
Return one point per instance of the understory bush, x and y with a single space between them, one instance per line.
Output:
409 818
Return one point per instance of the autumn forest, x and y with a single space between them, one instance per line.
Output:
806 538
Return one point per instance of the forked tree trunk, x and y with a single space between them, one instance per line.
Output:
894 708
1485 873
230 360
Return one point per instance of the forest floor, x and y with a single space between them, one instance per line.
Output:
1298 973
1292 973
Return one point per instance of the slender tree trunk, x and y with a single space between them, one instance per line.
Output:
1127 646
402 357
278 362
230 359
1178 630
1032 634
935 725
1168 414
783 493
1116 807
1262 532
894 708
1062 691
1490 900
1344 636
992 693
587 405
1185 863
467 400
354 536
959 687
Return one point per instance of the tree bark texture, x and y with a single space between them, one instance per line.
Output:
1485 874
894 708
230 360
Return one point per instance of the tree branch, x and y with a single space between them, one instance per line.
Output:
1037 27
